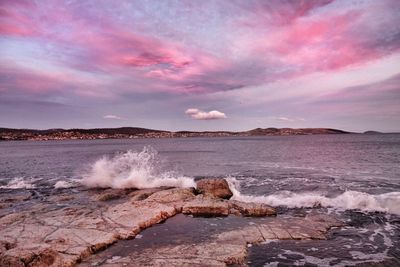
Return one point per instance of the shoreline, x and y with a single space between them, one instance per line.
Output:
61 231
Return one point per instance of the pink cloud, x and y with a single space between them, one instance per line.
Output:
284 40
323 40
32 82
280 13
14 30
13 23
323 44
160 64
17 80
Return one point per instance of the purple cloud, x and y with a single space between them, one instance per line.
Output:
191 54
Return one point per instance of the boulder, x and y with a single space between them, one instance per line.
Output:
214 188
251 209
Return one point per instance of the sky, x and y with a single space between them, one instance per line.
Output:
200 65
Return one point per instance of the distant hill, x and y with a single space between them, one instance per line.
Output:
372 132
135 132
291 131
121 130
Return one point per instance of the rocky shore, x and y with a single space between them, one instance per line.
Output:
65 230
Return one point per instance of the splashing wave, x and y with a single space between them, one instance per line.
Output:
18 183
132 170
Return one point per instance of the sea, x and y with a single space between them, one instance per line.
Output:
354 177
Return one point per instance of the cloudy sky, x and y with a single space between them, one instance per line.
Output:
200 65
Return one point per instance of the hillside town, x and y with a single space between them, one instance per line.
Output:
7 134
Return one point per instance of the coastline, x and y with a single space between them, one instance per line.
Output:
300 176
8 134
68 233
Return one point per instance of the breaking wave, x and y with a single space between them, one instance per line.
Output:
63 184
18 183
387 202
132 170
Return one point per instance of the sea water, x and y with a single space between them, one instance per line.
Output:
355 177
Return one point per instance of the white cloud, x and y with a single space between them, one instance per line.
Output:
191 111
112 117
286 119
203 115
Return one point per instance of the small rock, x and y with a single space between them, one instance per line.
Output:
215 188
208 207
251 209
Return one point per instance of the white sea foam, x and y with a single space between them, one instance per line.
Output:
132 170
63 184
388 202
357 258
18 183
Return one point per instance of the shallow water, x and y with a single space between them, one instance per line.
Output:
178 230
356 177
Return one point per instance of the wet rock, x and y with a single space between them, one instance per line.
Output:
4 246
90 240
15 196
214 188
130 218
143 194
5 205
60 198
53 235
201 254
226 248
172 195
281 228
111 194
73 233
324 219
47 257
204 206
107 195
251 209
35 257
11 218
16 258
242 236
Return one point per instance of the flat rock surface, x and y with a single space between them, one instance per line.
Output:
196 241
251 209
204 206
66 227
